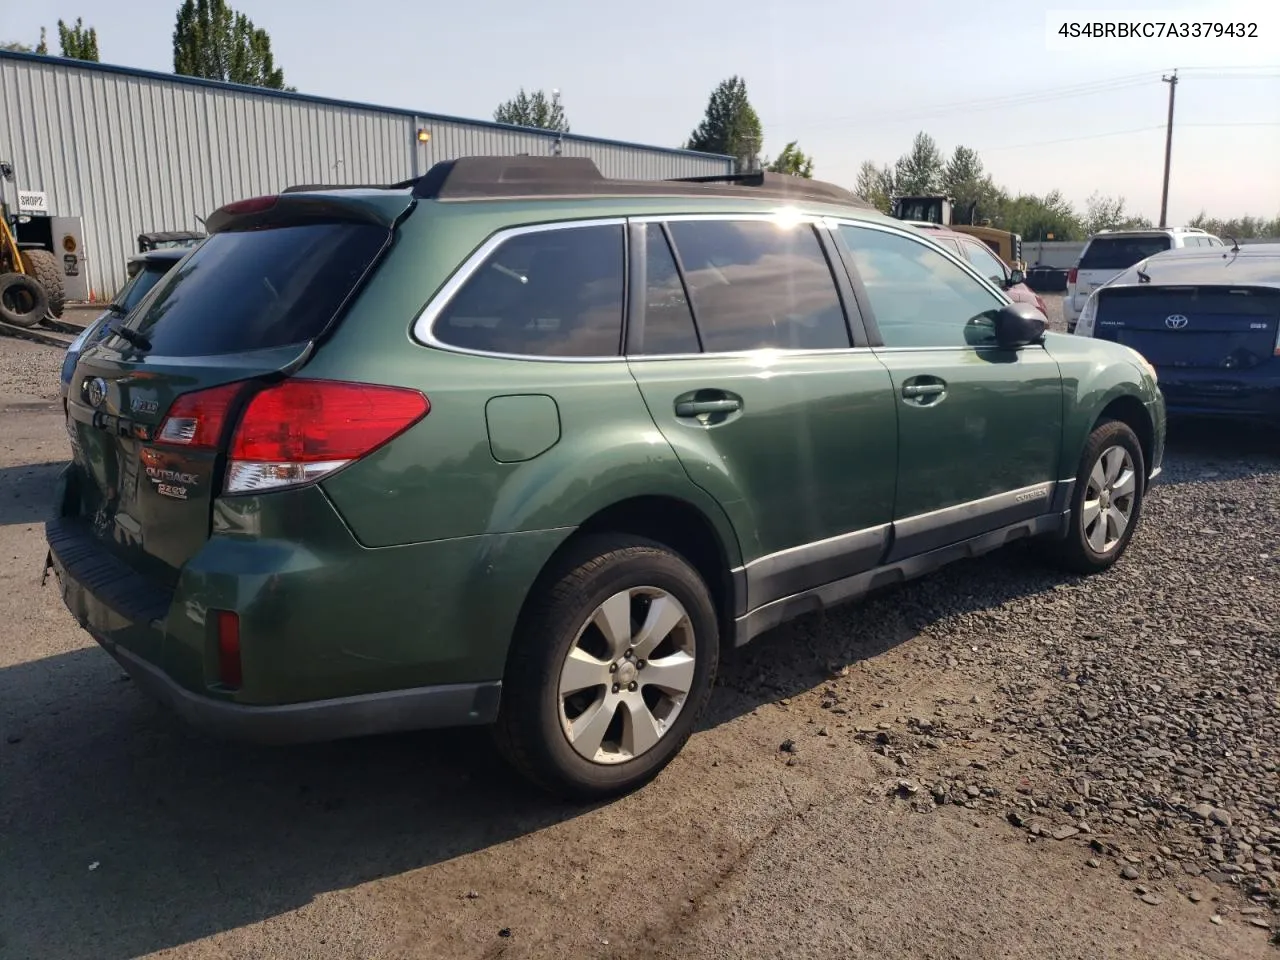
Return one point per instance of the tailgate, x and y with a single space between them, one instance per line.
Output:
1226 328
150 410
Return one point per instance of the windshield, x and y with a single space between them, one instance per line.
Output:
1120 253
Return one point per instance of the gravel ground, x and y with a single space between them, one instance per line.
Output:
996 761
28 370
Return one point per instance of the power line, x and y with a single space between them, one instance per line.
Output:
1090 88
1009 101
1123 133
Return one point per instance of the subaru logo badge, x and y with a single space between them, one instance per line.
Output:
1175 322
95 391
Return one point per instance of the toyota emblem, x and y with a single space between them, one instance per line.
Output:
1175 322
95 391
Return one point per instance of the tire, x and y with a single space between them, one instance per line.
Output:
43 266
536 724
23 302
1091 544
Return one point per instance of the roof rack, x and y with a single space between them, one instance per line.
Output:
494 178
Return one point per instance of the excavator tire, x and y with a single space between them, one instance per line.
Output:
44 267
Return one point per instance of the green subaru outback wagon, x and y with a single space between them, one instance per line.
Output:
519 445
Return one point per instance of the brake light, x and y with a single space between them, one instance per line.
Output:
1072 274
229 671
195 420
252 205
299 431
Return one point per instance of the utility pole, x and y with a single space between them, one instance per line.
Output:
1172 81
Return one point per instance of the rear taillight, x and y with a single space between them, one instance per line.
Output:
195 420
229 671
301 430
1072 274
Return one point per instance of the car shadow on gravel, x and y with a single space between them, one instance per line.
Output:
124 832
804 654
24 491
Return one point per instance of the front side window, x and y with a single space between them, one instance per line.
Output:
919 297
985 262
547 293
756 284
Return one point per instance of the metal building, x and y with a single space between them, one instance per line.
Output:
133 151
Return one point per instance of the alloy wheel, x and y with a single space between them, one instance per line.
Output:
1109 499
627 675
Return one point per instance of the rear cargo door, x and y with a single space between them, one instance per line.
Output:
150 408
1225 328
1107 257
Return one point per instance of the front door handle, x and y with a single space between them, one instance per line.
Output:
700 408
924 391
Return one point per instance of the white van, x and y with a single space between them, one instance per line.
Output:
1109 253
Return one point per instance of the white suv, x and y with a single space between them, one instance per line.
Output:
1110 252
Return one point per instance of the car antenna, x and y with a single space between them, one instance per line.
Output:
1143 276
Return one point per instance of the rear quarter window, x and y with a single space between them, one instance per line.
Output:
255 290
1121 253
547 293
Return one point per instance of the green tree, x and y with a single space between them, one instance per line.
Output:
78 42
17 46
730 126
1108 213
975 194
1239 228
1035 218
212 41
792 160
534 110
875 185
919 172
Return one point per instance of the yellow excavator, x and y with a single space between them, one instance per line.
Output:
30 276
940 210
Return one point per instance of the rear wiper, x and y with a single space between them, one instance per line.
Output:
132 336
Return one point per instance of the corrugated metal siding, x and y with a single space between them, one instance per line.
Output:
133 153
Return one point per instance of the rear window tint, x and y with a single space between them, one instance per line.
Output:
257 289
1121 253
550 293
758 285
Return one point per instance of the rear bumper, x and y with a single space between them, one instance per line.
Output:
447 705
336 640
1210 394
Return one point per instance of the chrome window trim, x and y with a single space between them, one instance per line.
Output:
1003 298
423 328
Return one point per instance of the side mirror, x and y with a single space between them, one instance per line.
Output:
1015 277
1018 325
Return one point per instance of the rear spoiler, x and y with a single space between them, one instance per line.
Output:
293 208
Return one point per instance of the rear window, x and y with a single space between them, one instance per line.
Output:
140 284
1121 253
257 289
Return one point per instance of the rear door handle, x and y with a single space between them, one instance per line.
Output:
699 408
913 390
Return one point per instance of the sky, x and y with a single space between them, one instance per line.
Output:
851 81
